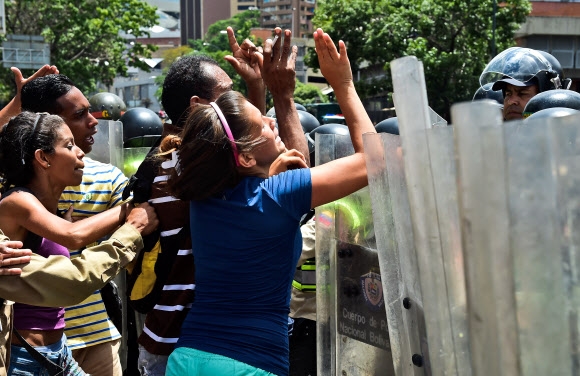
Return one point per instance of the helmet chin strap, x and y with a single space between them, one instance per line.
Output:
557 82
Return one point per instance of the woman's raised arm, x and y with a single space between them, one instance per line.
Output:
343 176
29 213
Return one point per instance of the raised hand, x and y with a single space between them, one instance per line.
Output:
43 71
13 108
279 64
243 58
290 159
10 255
334 64
279 73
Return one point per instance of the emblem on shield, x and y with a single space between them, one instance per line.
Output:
372 289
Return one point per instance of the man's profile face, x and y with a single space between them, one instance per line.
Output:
76 114
515 100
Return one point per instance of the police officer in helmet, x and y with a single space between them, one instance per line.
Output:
520 73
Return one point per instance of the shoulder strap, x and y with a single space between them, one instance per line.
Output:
16 189
52 368
306 217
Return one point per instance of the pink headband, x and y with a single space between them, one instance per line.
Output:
220 115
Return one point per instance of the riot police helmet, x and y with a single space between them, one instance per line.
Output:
308 121
300 107
390 125
272 111
566 82
107 106
331 128
520 66
486 92
552 98
553 112
141 127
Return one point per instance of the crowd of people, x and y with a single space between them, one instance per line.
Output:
225 195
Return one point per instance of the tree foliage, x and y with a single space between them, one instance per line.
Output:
308 93
452 38
216 45
87 37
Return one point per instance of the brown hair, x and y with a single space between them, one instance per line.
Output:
206 159
168 145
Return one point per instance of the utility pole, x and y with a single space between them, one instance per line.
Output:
493 29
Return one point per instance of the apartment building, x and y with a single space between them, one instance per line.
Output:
295 15
554 26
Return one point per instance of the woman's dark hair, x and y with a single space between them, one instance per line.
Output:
206 160
19 139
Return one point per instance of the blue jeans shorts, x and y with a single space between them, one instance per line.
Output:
151 364
23 364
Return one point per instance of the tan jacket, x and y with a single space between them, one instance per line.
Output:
58 281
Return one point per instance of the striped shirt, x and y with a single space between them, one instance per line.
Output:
87 323
163 322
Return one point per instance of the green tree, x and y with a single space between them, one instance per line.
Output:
169 56
308 93
453 39
215 44
90 40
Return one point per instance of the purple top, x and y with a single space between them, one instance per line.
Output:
29 317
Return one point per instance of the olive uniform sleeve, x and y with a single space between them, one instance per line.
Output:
58 281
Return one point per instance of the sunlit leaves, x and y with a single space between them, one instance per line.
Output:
87 37
453 39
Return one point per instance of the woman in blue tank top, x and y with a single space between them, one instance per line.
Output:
38 159
245 224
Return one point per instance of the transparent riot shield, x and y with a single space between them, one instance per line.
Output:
520 210
352 328
133 158
397 257
485 234
430 176
108 146
435 119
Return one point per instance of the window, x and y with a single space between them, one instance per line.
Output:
563 50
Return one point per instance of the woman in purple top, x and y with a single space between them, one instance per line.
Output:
245 224
38 159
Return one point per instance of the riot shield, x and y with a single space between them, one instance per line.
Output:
520 210
397 257
430 176
352 329
481 174
108 146
133 158
435 119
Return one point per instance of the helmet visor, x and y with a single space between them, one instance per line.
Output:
518 63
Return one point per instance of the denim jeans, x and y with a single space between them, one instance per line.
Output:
151 364
23 364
